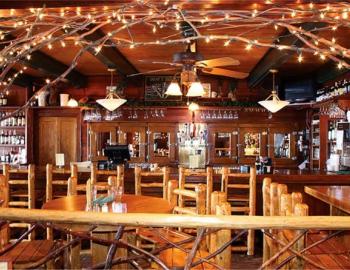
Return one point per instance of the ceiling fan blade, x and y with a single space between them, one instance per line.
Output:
218 62
162 63
225 72
150 72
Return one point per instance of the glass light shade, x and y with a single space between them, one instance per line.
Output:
111 103
173 89
275 104
193 107
196 90
72 103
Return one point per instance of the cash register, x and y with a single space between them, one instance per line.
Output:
116 154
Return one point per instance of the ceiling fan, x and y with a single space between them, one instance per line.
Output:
190 62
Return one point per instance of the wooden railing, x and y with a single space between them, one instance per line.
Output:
171 220
89 221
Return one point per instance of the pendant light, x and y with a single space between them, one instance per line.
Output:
193 107
112 100
272 103
196 90
173 89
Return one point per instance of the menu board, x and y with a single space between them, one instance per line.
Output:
156 86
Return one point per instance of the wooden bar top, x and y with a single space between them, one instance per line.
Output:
337 196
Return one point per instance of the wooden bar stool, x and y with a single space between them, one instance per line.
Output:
241 194
148 180
202 176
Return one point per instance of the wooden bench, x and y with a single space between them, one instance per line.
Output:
330 254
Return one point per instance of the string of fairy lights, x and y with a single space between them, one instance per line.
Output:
25 31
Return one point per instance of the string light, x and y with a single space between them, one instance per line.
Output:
300 58
248 47
340 65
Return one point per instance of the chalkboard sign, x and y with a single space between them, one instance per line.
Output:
156 86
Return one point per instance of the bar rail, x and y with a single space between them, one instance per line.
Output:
173 220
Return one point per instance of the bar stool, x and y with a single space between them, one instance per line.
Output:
202 176
151 180
241 194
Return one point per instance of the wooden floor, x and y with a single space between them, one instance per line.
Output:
239 261
242 261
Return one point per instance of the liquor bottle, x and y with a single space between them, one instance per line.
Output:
19 120
4 100
23 120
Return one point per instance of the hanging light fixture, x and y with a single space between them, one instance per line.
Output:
272 103
173 88
112 100
196 90
193 107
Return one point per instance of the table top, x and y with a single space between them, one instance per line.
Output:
134 204
337 196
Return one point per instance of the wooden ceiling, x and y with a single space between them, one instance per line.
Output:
141 57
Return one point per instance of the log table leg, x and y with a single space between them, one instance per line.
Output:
74 255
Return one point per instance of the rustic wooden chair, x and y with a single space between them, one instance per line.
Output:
174 192
278 202
96 175
57 185
198 176
57 181
25 252
20 190
241 194
151 180
175 258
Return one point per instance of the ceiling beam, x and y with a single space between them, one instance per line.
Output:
51 67
23 80
111 57
328 72
274 58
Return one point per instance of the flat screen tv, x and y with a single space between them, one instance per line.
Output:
117 154
299 90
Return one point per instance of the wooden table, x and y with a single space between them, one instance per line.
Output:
134 204
338 197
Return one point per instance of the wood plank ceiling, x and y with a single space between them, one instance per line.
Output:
140 58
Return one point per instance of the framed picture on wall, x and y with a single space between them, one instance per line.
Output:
156 86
